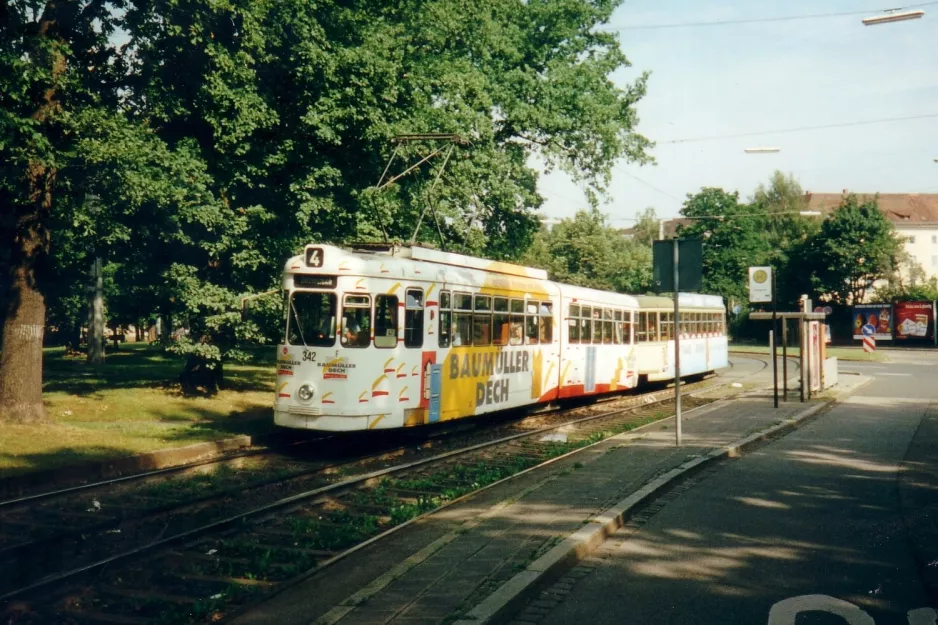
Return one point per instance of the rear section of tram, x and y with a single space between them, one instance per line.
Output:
702 328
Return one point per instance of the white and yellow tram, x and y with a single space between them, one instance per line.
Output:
388 337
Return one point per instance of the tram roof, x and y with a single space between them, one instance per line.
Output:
689 300
371 252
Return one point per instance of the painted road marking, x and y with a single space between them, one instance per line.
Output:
786 611
898 375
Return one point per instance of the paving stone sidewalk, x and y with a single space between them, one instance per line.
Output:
436 569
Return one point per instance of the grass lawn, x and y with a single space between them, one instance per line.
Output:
131 404
841 353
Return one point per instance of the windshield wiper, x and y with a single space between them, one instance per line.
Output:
299 326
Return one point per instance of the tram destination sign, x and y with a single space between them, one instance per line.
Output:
308 281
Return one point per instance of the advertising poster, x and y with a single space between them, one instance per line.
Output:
914 320
872 320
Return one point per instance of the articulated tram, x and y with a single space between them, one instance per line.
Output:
388 336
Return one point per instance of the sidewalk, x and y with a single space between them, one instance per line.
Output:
467 560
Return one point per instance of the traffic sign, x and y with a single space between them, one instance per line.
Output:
869 343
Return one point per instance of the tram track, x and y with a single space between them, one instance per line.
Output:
205 569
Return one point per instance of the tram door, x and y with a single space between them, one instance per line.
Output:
436 387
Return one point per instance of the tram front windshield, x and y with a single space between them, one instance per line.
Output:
312 319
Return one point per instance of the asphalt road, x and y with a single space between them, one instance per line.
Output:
837 518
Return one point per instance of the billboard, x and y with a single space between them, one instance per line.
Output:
914 320
872 320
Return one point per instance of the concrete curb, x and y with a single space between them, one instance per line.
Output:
70 475
508 598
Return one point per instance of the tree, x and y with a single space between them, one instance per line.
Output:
925 290
586 251
291 106
787 233
647 227
733 239
55 65
855 247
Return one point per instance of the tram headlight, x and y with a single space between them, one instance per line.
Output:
305 392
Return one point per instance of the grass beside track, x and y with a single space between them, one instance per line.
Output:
841 353
132 405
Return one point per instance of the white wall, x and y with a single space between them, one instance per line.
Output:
925 247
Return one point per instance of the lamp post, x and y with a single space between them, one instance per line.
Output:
893 16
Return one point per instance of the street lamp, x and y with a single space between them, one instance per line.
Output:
894 15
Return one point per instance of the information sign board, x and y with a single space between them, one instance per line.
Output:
760 285
872 320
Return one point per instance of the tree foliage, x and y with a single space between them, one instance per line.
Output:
195 144
855 247
586 251
733 239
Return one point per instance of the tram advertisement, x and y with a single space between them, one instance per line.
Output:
915 320
873 320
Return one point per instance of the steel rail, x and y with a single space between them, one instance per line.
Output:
344 485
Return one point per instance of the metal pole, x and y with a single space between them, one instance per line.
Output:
801 354
784 359
677 349
774 334
806 356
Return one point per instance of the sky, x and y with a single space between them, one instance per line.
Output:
713 81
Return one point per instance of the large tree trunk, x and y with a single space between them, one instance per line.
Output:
21 359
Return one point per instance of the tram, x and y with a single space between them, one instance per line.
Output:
385 336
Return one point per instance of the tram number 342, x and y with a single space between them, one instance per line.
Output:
785 612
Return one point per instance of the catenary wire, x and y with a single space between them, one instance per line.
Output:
763 19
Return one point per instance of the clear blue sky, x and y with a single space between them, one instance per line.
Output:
729 79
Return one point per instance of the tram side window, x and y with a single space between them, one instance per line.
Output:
413 318
356 321
482 320
642 334
311 320
597 325
500 321
516 334
546 323
586 324
446 319
667 326
530 327
617 327
463 316
385 321
627 326
607 326
573 323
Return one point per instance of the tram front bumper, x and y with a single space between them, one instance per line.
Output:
328 423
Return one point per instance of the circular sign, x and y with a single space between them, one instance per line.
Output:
818 309
760 276
736 309
868 330
828 310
